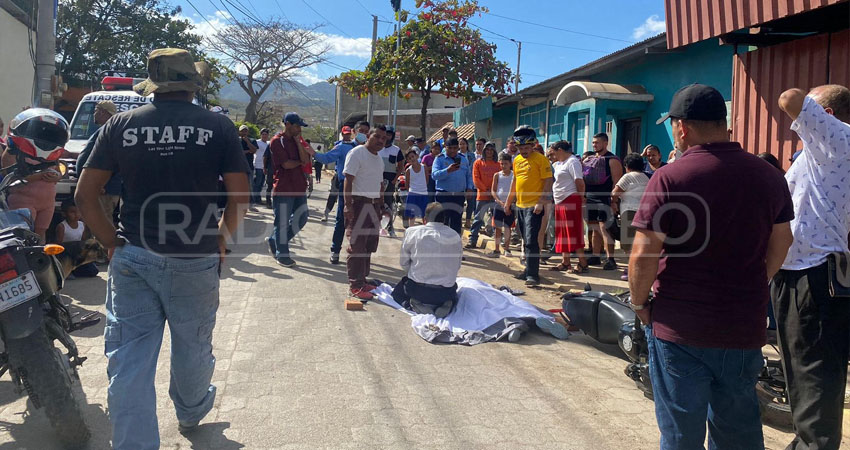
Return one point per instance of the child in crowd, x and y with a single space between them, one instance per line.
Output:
500 190
73 229
625 199
417 189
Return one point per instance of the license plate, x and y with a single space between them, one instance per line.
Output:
18 290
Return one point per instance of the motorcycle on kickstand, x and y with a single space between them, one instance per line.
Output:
609 319
32 315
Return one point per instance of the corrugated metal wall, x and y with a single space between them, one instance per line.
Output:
689 21
760 76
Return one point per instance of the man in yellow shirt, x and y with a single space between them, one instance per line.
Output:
532 190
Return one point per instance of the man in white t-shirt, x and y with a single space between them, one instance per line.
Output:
393 167
364 171
259 174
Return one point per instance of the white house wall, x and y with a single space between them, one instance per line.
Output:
16 70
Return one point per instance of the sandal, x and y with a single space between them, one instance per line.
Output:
561 267
578 271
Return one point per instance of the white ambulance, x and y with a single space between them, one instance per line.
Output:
116 86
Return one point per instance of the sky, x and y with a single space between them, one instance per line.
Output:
559 35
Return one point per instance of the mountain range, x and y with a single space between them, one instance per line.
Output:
320 94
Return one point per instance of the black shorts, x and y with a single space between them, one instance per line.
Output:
501 220
598 207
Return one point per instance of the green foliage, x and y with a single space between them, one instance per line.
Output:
93 36
320 135
253 130
438 51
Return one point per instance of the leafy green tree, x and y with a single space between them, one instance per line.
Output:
438 51
93 36
253 129
320 135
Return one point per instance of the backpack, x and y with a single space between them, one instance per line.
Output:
595 169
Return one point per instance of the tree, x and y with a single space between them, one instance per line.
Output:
439 50
93 36
320 135
266 54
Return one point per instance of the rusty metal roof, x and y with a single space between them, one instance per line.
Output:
463 131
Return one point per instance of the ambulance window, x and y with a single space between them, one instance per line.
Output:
84 125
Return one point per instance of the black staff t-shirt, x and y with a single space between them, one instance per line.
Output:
170 155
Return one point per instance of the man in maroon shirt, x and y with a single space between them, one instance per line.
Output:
712 230
290 187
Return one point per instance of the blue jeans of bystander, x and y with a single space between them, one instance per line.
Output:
257 186
692 385
290 216
144 291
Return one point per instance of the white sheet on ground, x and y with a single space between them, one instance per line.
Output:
482 314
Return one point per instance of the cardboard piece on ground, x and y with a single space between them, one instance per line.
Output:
353 305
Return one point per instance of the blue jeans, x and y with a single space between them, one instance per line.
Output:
144 291
339 224
695 384
290 216
257 186
529 224
481 209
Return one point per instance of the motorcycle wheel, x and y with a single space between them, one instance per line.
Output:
35 359
775 410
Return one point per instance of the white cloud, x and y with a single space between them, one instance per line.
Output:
207 28
344 46
652 26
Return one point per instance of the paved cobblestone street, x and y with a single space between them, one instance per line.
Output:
295 370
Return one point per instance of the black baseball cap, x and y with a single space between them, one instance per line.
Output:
294 118
696 102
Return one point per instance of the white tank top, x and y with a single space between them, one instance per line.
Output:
417 183
504 186
73 234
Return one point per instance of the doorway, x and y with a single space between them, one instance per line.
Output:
630 137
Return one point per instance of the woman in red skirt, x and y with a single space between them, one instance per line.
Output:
568 194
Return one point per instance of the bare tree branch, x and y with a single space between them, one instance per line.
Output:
266 55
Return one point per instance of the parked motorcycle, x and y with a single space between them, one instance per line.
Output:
32 316
609 319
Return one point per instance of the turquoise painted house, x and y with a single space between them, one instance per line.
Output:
623 94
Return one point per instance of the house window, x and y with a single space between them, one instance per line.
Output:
581 133
535 117
557 117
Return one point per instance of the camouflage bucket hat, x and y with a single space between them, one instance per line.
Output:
172 70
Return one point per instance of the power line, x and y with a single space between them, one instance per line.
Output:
558 29
325 18
386 20
202 16
537 43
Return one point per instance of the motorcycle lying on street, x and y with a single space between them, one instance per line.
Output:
609 319
32 315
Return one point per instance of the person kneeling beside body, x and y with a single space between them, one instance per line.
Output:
431 255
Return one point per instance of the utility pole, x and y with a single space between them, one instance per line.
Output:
45 53
396 4
370 102
518 57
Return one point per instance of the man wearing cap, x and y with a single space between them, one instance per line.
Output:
532 190
712 229
168 249
452 180
289 195
812 312
337 156
442 141
411 143
103 111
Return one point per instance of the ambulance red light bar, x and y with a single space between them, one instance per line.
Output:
118 83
